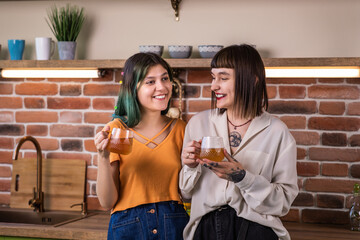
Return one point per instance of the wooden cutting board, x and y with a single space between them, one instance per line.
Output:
63 183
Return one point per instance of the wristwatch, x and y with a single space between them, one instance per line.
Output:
238 176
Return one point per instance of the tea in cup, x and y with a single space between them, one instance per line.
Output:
121 141
212 148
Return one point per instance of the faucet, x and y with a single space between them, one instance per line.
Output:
37 202
83 207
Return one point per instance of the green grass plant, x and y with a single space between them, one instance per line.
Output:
66 22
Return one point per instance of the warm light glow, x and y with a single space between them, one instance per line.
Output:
271 72
312 72
50 73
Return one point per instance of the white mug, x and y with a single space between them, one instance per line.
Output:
45 48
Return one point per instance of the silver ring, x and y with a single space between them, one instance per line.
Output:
187 156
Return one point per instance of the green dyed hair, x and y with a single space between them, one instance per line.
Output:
134 72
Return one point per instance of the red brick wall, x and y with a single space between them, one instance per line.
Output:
322 114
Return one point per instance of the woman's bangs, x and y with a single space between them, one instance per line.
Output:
222 60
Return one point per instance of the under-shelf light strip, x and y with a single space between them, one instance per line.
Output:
271 72
50 73
312 72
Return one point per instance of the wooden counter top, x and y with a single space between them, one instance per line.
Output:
307 231
95 227
176 63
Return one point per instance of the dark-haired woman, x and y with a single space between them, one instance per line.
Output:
141 188
243 196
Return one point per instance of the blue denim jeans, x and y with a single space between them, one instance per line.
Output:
163 221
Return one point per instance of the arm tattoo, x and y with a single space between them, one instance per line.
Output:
236 175
235 139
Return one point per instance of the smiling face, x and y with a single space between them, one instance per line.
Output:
223 85
243 66
154 92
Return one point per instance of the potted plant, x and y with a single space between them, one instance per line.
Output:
66 23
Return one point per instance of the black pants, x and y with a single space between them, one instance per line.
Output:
224 224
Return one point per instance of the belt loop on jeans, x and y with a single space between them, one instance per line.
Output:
223 208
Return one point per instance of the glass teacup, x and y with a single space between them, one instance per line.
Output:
212 148
121 141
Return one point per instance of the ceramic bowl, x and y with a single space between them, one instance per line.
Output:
157 49
209 51
180 51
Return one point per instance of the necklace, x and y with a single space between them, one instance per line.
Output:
239 125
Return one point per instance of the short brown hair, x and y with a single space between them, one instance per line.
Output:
250 86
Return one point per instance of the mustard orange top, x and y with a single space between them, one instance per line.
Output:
149 175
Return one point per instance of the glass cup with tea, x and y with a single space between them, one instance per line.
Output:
121 141
212 148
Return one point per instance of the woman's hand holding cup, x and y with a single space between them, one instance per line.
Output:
101 140
191 153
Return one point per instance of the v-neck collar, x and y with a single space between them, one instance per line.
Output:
220 124
151 140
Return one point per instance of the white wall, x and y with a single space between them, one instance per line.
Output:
115 28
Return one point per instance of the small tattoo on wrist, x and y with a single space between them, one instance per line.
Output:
237 176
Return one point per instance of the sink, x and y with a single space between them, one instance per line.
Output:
25 216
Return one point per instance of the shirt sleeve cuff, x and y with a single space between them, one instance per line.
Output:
190 170
114 157
247 181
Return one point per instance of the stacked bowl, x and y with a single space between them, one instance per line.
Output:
157 49
180 51
209 51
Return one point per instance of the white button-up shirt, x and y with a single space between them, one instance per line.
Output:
267 153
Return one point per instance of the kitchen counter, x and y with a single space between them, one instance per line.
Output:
92 227
308 231
95 227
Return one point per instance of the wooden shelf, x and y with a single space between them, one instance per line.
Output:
177 63
62 64
311 62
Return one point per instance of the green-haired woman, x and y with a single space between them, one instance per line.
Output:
141 188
